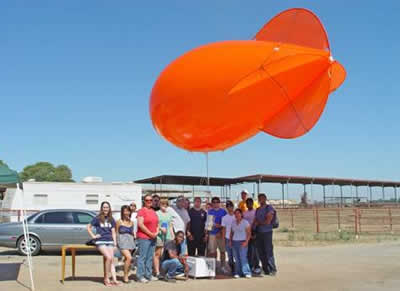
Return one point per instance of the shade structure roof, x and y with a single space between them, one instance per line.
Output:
263 178
187 180
8 176
317 180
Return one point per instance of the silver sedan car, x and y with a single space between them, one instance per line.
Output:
49 229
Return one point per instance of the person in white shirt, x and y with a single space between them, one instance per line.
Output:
134 217
239 240
226 232
180 220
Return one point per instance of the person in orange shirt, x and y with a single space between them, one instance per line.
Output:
242 204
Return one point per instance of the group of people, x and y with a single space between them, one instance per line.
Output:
165 235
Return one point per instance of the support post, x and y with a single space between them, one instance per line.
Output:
292 218
355 210
317 219
324 196
383 194
370 195
338 218
287 190
390 220
283 195
341 196
311 193
395 194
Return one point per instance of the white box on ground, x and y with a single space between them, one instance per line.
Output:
200 267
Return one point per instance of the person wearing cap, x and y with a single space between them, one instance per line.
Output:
215 239
242 204
226 224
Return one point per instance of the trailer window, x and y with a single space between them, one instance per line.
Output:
40 199
92 199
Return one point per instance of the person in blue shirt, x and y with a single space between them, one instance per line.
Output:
105 240
216 240
263 225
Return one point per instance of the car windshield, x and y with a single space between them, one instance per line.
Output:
32 216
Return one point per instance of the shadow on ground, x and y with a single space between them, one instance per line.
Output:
13 252
9 271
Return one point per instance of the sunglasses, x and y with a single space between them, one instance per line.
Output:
148 200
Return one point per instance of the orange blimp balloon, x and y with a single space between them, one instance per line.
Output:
223 93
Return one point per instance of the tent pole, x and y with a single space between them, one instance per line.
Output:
26 235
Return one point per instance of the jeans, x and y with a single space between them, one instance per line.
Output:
145 260
184 247
197 244
266 251
229 251
171 267
252 255
240 253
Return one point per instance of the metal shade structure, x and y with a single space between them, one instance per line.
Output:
262 178
284 180
187 180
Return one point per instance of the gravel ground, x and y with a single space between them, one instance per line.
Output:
358 267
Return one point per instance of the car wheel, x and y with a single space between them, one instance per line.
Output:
34 244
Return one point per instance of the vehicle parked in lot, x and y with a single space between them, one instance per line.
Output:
49 229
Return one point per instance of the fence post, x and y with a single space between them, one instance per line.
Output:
317 219
338 218
390 220
359 220
355 220
291 217
19 215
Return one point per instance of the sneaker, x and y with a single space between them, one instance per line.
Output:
273 274
153 278
236 276
143 280
180 275
248 276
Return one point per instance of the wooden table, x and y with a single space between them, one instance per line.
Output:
73 249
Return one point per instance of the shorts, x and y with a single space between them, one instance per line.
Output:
159 243
216 242
104 243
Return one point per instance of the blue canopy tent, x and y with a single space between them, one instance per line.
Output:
10 178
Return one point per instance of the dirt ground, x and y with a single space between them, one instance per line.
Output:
358 267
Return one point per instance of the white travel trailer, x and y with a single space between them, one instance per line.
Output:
82 195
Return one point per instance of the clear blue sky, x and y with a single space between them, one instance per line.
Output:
75 79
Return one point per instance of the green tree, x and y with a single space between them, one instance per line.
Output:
3 163
47 172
